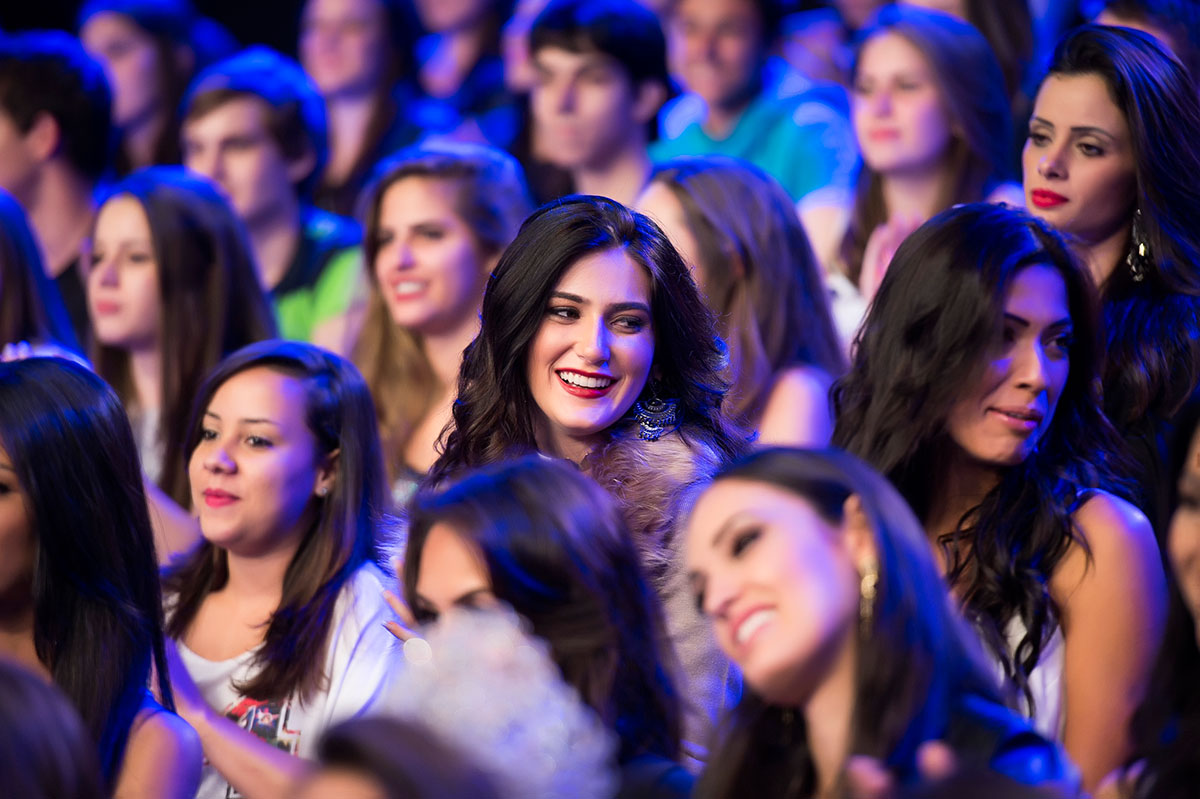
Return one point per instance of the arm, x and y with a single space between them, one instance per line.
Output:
797 413
176 531
340 306
1113 611
162 759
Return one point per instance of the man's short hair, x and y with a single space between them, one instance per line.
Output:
296 112
624 30
48 72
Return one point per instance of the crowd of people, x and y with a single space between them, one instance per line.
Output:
602 398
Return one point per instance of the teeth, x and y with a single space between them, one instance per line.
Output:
409 287
583 381
753 623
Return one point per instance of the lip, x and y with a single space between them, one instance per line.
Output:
1019 419
580 391
106 307
1044 198
883 134
736 627
408 289
216 498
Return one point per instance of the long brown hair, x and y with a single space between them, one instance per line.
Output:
343 533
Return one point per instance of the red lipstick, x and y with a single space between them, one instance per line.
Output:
1044 198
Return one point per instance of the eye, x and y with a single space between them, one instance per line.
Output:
1062 343
258 442
432 234
1038 139
743 540
5 488
208 434
424 613
1008 337
567 313
1090 150
140 257
629 324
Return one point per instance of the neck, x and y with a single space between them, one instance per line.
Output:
827 715
258 578
620 178
1106 255
445 350
916 194
453 55
721 118
145 368
963 485
60 209
16 638
274 238
140 138
349 117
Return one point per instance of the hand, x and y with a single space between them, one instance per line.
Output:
189 702
881 247
869 778
404 628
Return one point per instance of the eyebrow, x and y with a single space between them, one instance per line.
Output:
1023 322
7 468
246 420
616 307
1080 129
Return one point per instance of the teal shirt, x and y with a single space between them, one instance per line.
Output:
321 281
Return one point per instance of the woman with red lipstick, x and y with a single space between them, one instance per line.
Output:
973 390
437 218
596 346
1111 159
278 615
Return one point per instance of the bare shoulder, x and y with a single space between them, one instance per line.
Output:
162 759
797 411
1120 544
1010 194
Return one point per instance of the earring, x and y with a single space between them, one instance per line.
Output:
1138 257
323 491
655 416
866 593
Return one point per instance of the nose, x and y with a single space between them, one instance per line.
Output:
593 343
1052 164
881 102
104 273
1031 368
217 460
565 101
719 595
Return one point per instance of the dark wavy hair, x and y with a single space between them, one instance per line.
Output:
495 415
211 300
31 309
345 526
570 567
925 343
1152 327
917 660
97 608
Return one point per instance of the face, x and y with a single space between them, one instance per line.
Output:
1163 35
122 279
777 581
232 145
1001 420
256 475
716 47
899 118
131 61
585 110
18 161
1183 537
16 533
343 45
445 16
1078 161
430 269
593 352
658 201
341 782
453 575
519 76
955 8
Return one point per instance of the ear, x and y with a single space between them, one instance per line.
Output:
326 473
858 535
300 167
43 137
648 99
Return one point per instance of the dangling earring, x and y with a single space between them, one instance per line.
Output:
866 593
1138 257
655 416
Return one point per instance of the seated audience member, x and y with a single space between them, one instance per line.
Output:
438 216
31 309
974 390
278 615
820 585
570 568
736 228
361 56
600 77
255 125
1174 23
172 289
82 606
149 49
56 106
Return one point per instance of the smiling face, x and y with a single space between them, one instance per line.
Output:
429 266
592 353
452 574
256 473
16 536
899 117
1000 421
122 277
1183 537
778 583
1078 162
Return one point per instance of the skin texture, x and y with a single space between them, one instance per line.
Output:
342 45
339 782
659 203
1183 539
122 279
716 48
453 574
16 534
597 323
130 60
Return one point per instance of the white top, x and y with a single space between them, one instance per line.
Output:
357 664
1045 682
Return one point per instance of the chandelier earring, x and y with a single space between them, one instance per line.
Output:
655 416
1138 257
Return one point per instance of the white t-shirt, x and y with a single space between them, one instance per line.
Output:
358 663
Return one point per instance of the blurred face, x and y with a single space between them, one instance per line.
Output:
122 281
16 535
18 162
1183 537
1163 35
340 782
593 352
453 575
778 583
430 269
955 8
343 45
131 62
519 76
899 118
256 474
716 48
857 13
1078 161
446 16
232 145
585 108
1000 422
658 201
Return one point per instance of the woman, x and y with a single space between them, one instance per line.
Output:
820 585
737 229
595 346
166 252
973 390
570 568
31 309
278 614
931 116
1109 161
361 56
437 218
81 603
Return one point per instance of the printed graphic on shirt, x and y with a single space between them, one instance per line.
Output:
268 721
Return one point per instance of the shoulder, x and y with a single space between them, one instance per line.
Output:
163 757
797 411
800 383
1008 193
1117 545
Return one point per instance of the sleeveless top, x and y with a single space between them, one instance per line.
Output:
1045 681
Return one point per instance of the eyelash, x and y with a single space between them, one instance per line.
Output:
1086 149
628 324
258 442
